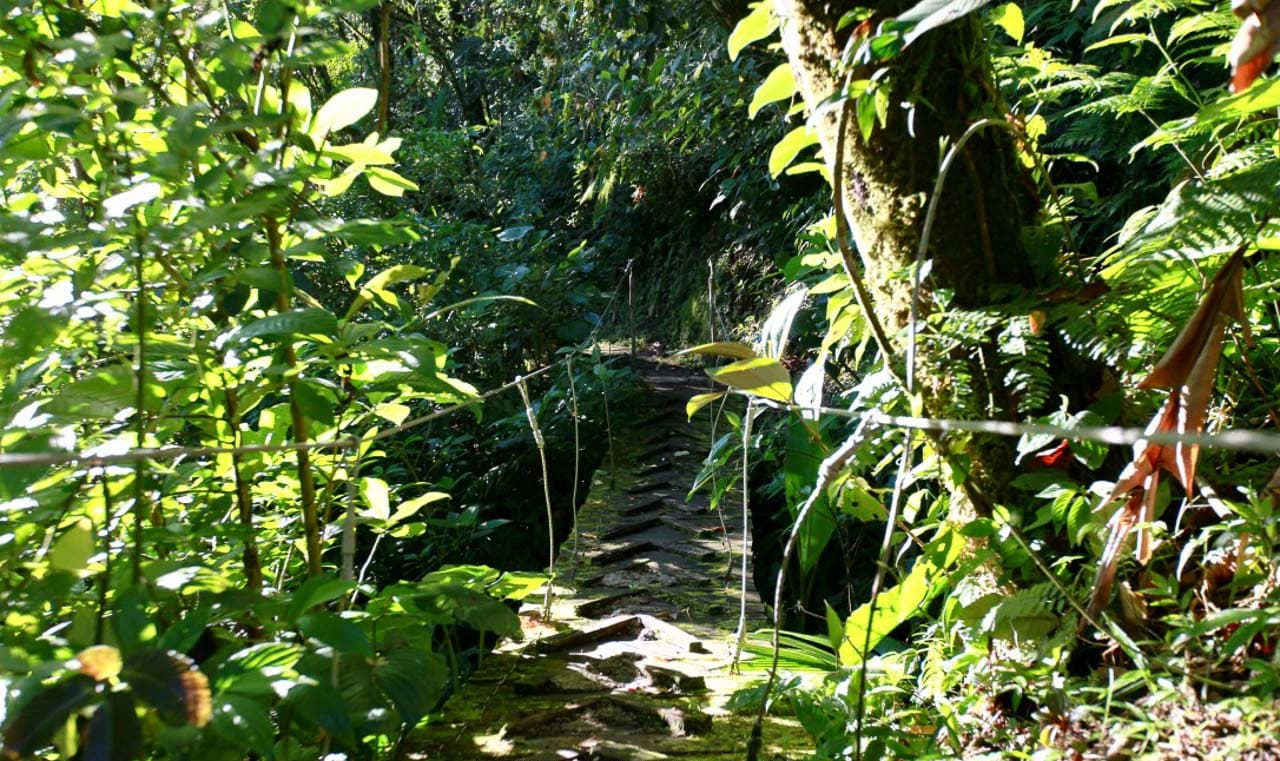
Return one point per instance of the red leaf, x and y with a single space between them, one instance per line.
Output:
1058 457
1250 70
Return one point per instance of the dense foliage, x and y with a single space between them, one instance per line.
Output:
260 259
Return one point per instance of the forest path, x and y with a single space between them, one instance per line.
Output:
635 664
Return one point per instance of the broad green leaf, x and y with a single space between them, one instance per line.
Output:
755 26
388 182
342 110
901 603
410 508
343 635
311 322
316 591
516 585
760 376
722 349
102 394
322 704
414 680
779 85
789 147
392 412
700 401
72 550
1009 18
244 720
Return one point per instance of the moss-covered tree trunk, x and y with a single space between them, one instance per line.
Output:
938 86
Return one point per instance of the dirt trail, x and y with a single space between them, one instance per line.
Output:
635 663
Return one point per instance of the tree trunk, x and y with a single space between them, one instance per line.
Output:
938 86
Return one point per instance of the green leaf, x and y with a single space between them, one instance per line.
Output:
323 705
342 110
513 234
414 680
103 394
755 26
1119 39
388 182
317 590
779 85
410 508
789 147
313 322
1009 18
341 634
1262 96
901 603
722 349
516 585
244 721
37 719
760 376
701 400
835 627
72 550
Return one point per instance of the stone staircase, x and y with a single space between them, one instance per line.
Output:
635 661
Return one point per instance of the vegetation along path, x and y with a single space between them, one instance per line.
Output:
635 662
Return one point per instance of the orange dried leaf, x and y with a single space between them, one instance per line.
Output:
1225 296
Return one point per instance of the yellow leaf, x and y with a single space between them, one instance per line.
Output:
722 349
760 376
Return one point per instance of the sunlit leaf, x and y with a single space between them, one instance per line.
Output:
1009 18
779 85
342 110
755 26
722 349
699 401
387 182
72 550
760 376
786 149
